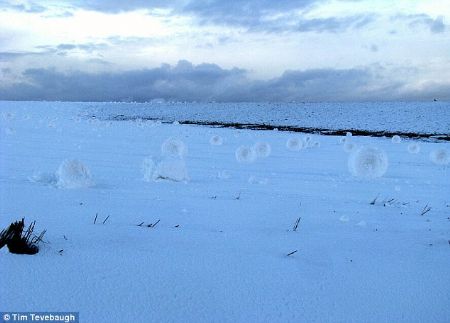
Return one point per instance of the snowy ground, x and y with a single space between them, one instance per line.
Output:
418 117
214 257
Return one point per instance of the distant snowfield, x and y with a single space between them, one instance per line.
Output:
219 252
416 117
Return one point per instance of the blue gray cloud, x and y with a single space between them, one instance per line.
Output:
241 12
204 8
114 6
11 56
47 50
334 24
86 47
435 25
209 82
31 7
248 14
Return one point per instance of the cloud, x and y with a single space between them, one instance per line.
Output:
334 24
208 82
272 16
9 56
435 25
47 50
183 81
205 8
115 6
110 6
30 7
86 47
241 12
259 16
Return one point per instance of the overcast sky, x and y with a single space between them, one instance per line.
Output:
233 50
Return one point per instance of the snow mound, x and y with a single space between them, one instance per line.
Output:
173 147
173 169
344 218
368 162
440 157
73 174
245 155
396 139
166 168
361 224
262 149
216 140
44 178
348 134
224 174
258 180
170 166
349 147
295 144
413 148
148 168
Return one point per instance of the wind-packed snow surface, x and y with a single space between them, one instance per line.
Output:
416 117
364 252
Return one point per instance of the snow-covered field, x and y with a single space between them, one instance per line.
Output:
227 201
418 117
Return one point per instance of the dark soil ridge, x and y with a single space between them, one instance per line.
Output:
267 127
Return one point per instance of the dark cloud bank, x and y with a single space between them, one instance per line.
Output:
209 82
